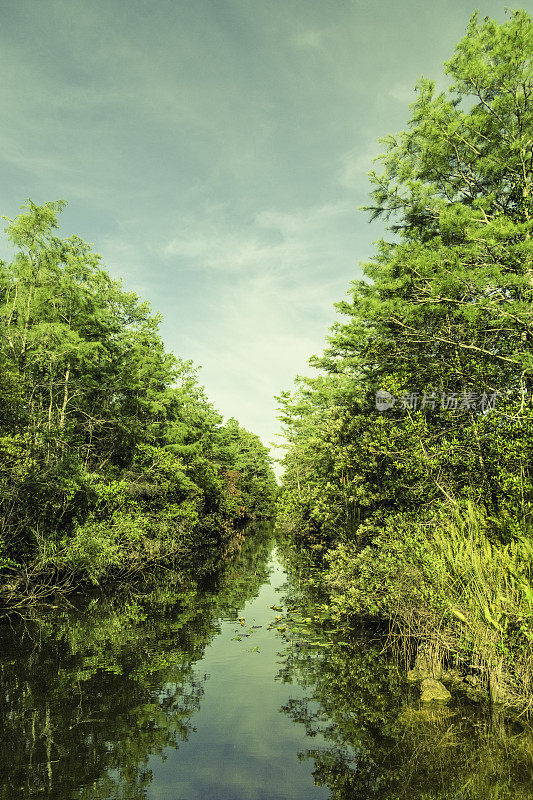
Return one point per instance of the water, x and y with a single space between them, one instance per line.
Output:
165 693
242 747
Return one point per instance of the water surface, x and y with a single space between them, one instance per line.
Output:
233 691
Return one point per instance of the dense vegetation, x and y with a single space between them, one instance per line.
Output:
111 456
419 515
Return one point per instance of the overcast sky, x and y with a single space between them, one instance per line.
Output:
215 154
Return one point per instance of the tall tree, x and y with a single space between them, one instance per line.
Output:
109 448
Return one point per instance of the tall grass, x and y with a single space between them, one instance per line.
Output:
488 587
455 591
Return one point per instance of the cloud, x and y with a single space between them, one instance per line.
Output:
403 92
216 154
310 39
268 299
264 330
356 164
275 241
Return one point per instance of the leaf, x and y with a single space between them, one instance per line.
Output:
458 614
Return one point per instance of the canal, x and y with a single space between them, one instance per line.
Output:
233 691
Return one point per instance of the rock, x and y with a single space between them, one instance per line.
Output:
434 690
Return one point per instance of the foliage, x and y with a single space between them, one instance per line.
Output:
111 456
443 322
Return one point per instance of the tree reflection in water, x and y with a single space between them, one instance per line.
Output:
381 741
87 696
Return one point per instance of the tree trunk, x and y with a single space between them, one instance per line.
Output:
65 398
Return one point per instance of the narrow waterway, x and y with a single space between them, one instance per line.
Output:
242 746
232 692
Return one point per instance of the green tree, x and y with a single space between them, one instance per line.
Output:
111 456
444 313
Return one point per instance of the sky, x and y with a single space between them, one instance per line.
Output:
215 153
